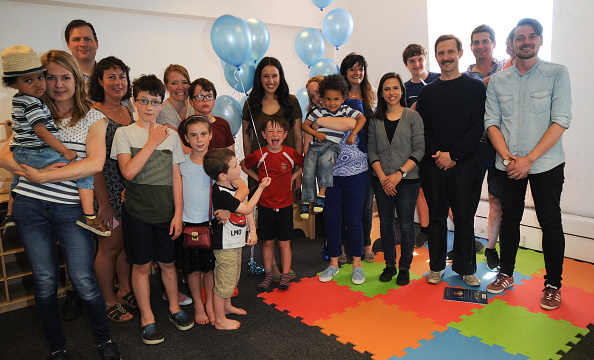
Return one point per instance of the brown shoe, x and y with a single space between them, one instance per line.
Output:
551 298
500 283
94 225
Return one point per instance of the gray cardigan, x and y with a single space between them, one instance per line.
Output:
408 141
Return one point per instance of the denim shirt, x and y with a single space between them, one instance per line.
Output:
523 107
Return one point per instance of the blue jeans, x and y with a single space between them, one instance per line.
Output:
368 212
546 190
40 158
319 160
403 203
345 198
41 225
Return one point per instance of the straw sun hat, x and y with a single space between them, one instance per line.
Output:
20 60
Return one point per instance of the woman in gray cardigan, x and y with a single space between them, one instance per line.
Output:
396 144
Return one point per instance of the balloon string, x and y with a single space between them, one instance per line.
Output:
252 120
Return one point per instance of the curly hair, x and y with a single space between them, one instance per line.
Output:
96 92
334 82
80 103
367 93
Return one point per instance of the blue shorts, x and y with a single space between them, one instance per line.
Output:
40 158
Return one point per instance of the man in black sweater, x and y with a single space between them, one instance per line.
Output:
452 108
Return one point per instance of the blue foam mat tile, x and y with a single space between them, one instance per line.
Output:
450 344
484 275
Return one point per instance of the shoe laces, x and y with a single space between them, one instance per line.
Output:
500 278
549 292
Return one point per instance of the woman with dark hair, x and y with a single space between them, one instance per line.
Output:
45 214
270 96
396 144
109 86
354 69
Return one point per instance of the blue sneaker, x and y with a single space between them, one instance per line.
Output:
328 274
319 205
358 277
304 211
182 321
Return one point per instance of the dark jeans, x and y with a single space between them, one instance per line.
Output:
546 190
458 188
345 198
368 212
41 225
403 203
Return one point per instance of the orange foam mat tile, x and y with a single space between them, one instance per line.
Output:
427 301
312 300
576 304
577 274
380 329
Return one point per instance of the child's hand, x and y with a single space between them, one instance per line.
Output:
158 134
320 136
175 228
265 182
351 139
222 215
252 238
69 155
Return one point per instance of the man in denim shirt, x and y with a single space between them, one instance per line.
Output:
527 110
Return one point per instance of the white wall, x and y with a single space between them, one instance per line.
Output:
149 35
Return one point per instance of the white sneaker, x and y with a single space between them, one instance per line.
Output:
471 280
328 274
434 277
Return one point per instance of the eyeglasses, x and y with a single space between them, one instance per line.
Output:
145 102
208 97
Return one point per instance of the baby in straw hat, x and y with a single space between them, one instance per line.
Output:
36 139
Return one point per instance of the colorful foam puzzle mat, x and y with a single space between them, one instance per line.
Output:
415 322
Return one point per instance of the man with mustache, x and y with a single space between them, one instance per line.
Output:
452 108
482 43
527 111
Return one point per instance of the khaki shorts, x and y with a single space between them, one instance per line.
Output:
226 272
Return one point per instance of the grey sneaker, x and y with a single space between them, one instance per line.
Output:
358 277
434 277
328 274
471 280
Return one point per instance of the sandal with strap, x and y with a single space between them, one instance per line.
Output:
129 300
369 257
116 312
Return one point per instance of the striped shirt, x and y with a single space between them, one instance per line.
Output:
27 112
74 138
343 111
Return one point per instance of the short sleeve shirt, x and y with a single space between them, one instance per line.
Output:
232 234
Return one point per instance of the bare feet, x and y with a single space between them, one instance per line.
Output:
211 315
232 310
227 324
201 318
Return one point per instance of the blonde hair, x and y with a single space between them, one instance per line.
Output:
316 79
80 104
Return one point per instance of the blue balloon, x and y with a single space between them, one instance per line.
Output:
242 79
324 67
260 38
321 3
310 46
337 27
303 99
231 39
228 108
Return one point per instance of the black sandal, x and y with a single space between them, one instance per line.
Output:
116 312
129 300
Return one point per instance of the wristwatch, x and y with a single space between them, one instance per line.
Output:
402 172
507 161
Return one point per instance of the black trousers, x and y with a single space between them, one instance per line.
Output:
458 188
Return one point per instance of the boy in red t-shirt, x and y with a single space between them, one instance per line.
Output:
275 211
